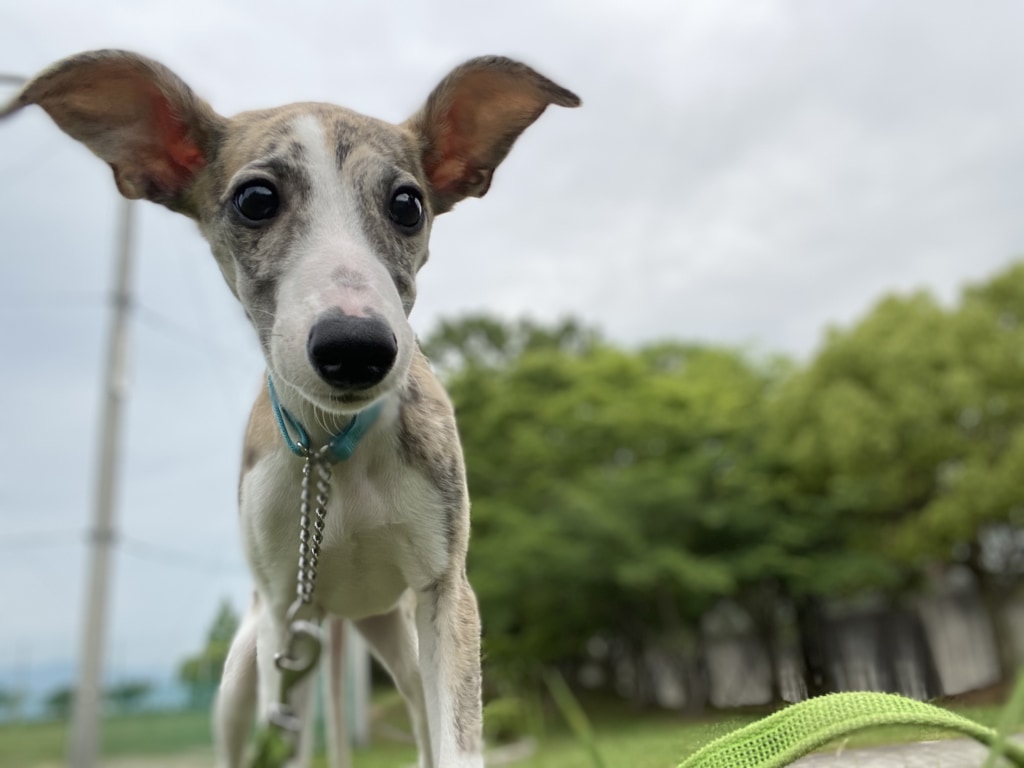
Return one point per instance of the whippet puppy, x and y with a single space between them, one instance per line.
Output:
319 219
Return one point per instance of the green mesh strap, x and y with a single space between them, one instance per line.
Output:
781 738
273 749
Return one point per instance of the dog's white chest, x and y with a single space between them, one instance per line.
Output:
380 533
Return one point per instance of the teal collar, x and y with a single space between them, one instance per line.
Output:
340 447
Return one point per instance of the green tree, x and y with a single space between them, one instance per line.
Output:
976 516
615 492
618 494
58 702
900 447
482 341
978 486
858 435
11 701
129 695
201 673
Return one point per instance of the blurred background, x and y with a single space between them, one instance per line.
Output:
737 353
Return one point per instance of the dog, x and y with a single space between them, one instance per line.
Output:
319 219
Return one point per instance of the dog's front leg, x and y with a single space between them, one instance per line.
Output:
271 639
448 625
235 705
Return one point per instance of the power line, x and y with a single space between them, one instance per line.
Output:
16 537
156 553
134 547
150 318
160 323
70 299
202 307
34 543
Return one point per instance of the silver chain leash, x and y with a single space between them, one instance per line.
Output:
278 742
310 540
304 640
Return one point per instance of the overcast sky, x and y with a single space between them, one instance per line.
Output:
741 173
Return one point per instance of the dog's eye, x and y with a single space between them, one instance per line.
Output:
256 201
406 209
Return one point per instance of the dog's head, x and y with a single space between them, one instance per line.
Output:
318 216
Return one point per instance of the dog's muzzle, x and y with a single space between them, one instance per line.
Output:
349 352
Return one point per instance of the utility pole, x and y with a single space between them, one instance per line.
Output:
83 747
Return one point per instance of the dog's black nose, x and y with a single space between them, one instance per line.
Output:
351 352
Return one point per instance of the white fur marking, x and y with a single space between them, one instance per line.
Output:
334 239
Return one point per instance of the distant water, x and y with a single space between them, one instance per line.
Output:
41 681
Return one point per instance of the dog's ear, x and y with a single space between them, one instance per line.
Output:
471 120
134 113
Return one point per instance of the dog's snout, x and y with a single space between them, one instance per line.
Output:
351 352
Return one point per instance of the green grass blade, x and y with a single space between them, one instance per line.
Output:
574 716
1013 714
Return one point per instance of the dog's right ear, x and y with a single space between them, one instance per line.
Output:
135 114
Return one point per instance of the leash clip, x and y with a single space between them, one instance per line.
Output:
302 646
278 743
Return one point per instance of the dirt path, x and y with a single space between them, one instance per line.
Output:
198 759
955 753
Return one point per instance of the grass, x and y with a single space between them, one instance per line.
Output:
631 740
626 738
628 741
27 744
662 742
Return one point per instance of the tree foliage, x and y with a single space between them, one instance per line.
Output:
905 432
615 492
620 493
201 673
58 702
128 695
11 702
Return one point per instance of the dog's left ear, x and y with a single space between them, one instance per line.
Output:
471 120
136 114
